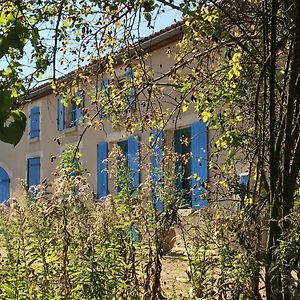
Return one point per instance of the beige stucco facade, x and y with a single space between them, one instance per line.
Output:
47 147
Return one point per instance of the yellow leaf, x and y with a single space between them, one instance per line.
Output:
184 108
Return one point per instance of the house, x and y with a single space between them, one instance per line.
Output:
51 126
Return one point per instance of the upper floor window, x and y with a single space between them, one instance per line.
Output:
33 171
4 185
71 115
34 128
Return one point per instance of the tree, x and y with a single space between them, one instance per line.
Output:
249 92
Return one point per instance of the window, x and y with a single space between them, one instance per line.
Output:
71 115
243 184
4 185
183 165
34 129
33 171
124 147
191 146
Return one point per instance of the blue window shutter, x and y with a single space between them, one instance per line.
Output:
102 178
79 113
4 185
60 115
156 159
33 171
34 122
199 163
133 159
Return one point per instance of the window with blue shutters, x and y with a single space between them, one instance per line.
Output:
71 115
4 186
33 171
102 176
191 146
34 130
156 172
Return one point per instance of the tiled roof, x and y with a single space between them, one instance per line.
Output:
147 44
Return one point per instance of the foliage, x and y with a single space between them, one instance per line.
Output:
224 265
67 245
238 67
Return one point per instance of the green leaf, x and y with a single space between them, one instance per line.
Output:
10 17
12 39
6 101
8 290
149 6
11 131
148 18
35 36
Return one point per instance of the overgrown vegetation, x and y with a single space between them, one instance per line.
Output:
238 67
63 244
